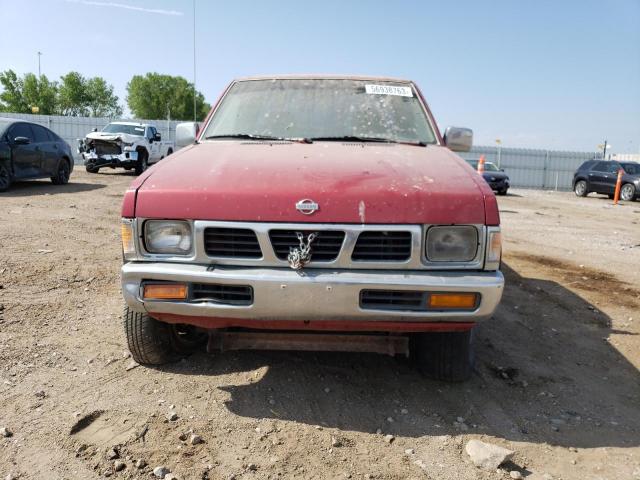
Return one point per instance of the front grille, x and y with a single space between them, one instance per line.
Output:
231 243
107 148
393 300
383 246
325 248
227 294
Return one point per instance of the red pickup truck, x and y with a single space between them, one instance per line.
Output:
313 213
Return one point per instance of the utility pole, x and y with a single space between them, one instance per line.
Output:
194 62
604 151
39 55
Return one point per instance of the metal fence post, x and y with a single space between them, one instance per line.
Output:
544 170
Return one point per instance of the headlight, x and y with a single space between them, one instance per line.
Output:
167 236
452 244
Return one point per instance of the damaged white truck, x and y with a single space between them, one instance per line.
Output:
125 145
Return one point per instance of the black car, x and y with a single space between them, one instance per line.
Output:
494 176
28 151
600 176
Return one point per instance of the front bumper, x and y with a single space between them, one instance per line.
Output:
500 184
125 159
281 294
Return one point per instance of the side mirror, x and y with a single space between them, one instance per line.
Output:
186 133
157 137
21 141
458 139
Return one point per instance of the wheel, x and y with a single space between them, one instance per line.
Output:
91 169
143 162
610 195
149 340
628 192
153 343
169 152
502 192
447 356
62 175
5 177
580 188
186 339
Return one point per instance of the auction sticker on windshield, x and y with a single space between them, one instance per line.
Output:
388 90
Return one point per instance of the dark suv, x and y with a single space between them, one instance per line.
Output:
600 176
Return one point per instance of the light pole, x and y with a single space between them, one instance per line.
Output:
604 148
39 55
168 122
194 62
499 144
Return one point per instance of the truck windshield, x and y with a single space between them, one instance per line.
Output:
322 109
120 128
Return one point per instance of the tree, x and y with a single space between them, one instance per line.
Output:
79 96
156 96
101 101
21 94
74 96
71 95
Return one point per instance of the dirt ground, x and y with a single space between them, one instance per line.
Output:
557 377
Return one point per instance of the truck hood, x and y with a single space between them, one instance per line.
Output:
351 183
112 137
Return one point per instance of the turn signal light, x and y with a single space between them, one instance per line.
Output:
128 245
165 291
453 301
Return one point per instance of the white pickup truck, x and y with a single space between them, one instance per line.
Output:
124 144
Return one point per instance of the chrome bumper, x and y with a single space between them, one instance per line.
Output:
318 294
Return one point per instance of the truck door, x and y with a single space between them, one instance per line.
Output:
154 146
27 158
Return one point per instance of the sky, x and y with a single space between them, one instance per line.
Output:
561 74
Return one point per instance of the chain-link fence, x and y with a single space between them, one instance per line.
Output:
544 169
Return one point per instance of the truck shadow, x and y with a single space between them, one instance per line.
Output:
546 373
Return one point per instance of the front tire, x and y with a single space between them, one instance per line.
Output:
628 192
149 340
5 177
502 192
61 177
143 162
91 169
447 356
580 188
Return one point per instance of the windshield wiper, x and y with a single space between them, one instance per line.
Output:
251 136
351 138
356 138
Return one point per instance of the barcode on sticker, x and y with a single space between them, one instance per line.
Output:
388 90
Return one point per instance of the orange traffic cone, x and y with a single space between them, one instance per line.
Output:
481 165
616 195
